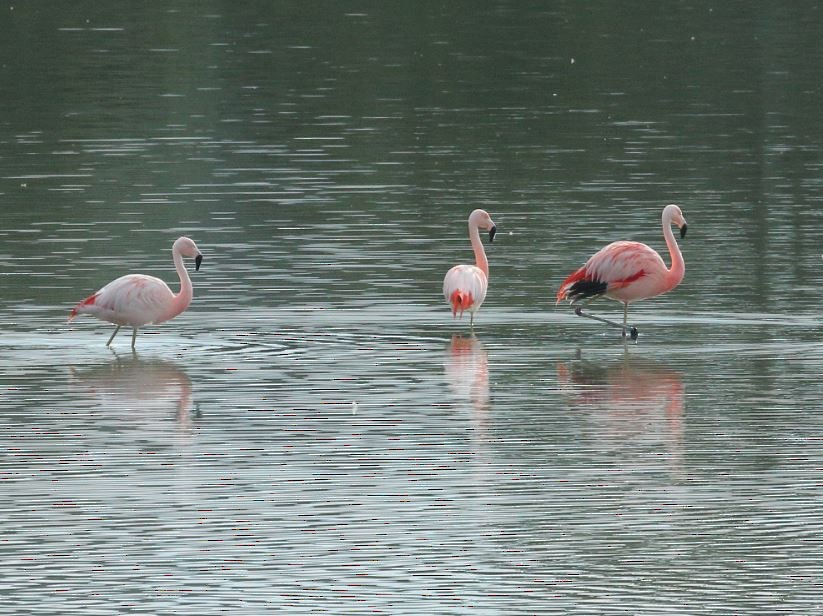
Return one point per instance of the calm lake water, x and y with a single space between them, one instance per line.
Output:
316 434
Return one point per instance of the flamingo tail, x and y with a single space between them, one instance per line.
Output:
578 286
460 300
89 301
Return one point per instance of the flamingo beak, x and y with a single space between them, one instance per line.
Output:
492 231
197 261
683 230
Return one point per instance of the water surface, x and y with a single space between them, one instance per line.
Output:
316 433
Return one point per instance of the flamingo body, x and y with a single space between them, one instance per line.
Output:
135 300
623 271
465 286
628 271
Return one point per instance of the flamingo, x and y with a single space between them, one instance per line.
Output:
464 286
136 299
627 272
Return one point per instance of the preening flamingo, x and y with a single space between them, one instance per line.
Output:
465 285
627 272
136 299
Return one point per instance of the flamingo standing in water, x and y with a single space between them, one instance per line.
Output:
136 299
627 272
465 285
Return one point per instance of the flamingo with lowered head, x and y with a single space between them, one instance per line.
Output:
627 272
465 285
136 299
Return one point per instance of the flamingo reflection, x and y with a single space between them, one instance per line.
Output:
141 388
629 400
467 372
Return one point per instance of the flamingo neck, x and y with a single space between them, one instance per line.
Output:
678 268
182 299
479 252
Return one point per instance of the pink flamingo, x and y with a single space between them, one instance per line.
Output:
627 272
136 299
465 285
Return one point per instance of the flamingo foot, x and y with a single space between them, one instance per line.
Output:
631 333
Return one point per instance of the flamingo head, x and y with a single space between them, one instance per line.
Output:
673 215
187 248
482 220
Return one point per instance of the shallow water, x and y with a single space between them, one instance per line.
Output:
316 433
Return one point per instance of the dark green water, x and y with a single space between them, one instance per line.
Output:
316 434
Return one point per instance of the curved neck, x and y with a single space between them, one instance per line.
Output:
183 298
479 253
678 268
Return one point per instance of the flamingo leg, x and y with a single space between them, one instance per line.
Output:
116 329
632 332
471 320
133 338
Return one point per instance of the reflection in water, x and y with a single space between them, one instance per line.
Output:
142 388
629 401
467 371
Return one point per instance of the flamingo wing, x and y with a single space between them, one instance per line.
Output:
612 268
132 300
465 288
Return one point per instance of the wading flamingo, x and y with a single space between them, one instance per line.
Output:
465 285
627 272
136 299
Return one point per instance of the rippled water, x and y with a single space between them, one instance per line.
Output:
316 433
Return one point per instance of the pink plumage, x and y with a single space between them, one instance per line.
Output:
135 300
628 271
465 286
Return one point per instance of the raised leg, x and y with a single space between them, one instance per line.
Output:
116 329
133 338
623 328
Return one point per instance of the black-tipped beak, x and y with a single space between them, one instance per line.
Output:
683 231
492 231
197 261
